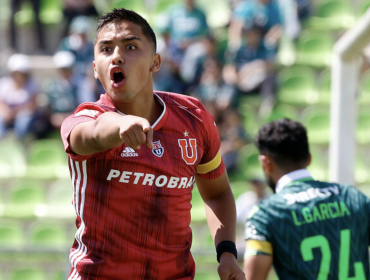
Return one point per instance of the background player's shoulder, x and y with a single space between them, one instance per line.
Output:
271 205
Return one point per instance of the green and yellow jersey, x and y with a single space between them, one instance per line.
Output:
313 230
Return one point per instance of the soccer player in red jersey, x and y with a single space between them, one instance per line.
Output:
134 156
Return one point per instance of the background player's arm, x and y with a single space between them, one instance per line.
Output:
221 218
257 267
108 131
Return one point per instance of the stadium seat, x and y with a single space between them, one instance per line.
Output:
286 54
363 125
282 111
51 12
25 16
331 15
22 273
47 160
59 201
50 236
324 87
136 5
11 235
161 6
12 159
218 13
319 166
317 122
248 162
249 116
297 86
26 199
314 48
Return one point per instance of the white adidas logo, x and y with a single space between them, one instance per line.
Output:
129 152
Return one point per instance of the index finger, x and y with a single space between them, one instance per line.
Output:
149 137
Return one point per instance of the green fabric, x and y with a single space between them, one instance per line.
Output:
317 230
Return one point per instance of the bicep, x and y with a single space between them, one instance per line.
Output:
257 267
212 188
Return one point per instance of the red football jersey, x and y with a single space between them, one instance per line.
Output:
133 206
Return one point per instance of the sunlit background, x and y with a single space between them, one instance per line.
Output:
212 59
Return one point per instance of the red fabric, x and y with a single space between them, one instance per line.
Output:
133 207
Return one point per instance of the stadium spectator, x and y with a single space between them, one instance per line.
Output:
308 229
18 92
233 136
290 18
304 8
15 6
73 9
79 43
134 156
246 201
168 79
66 91
212 90
186 23
251 68
263 13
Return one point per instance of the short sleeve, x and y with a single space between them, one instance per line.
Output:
257 234
84 113
211 165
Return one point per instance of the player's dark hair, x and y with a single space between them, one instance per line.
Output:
285 141
119 15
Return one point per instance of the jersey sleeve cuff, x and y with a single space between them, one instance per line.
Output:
258 247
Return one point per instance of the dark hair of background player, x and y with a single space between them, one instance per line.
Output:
285 141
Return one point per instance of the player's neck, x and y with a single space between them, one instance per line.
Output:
147 107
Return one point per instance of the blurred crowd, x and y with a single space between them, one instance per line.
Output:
196 60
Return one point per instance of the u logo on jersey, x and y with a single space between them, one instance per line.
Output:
157 149
183 143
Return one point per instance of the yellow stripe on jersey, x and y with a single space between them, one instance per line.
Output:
209 166
253 247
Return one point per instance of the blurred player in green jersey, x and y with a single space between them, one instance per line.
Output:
307 229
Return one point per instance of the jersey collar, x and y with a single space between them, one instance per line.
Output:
296 175
162 118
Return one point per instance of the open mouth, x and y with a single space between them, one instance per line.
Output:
118 77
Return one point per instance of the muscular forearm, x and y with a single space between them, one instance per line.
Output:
109 131
221 217
98 135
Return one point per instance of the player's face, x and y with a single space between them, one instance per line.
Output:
124 61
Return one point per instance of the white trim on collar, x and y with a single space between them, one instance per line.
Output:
290 177
160 117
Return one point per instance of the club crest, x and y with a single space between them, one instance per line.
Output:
157 149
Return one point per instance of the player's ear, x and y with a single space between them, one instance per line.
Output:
156 64
95 72
309 160
266 163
